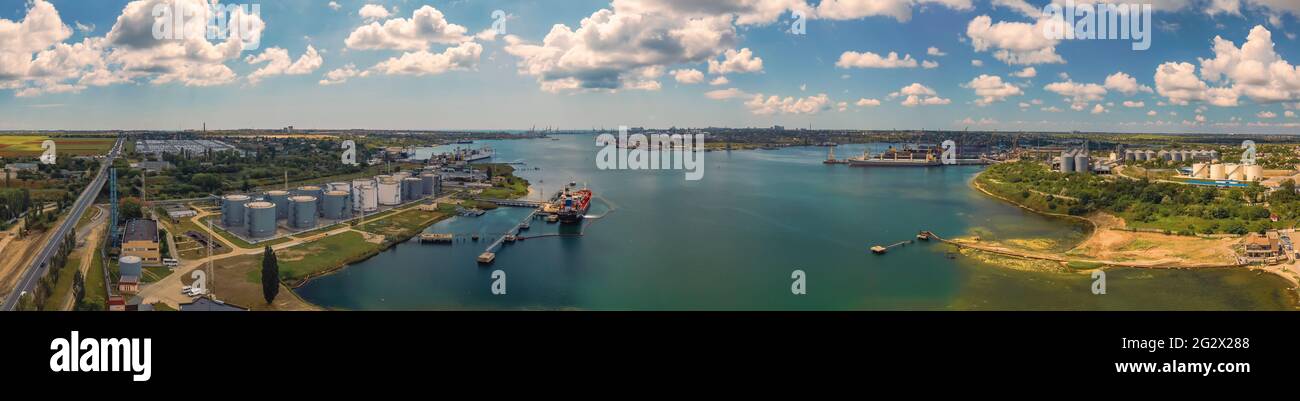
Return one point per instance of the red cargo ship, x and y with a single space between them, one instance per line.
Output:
574 205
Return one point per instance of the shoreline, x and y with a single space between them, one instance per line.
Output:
1276 270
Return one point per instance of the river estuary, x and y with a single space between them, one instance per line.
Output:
732 240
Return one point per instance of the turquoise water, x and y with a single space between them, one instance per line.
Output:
732 240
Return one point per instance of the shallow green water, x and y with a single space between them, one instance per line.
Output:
732 240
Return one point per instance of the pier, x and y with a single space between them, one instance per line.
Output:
489 254
880 250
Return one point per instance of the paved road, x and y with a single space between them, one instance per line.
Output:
27 281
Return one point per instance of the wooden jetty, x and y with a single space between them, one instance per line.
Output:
880 250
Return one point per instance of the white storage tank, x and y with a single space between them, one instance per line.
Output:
130 265
232 210
1130 155
1217 172
1176 155
1200 170
304 211
261 219
390 192
1067 162
335 205
1082 164
1163 155
364 196
1254 172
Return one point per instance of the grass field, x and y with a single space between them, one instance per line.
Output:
30 145
95 278
304 260
63 283
402 225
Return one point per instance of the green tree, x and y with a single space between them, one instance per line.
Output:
131 208
270 275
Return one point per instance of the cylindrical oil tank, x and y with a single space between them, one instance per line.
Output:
1234 171
427 184
390 192
130 265
1200 170
232 210
261 219
1082 163
281 201
1254 172
1130 155
412 189
335 205
304 211
364 196
312 191
1217 172
402 175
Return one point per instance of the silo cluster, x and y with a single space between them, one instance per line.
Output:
1075 161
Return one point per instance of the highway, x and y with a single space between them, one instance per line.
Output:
27 282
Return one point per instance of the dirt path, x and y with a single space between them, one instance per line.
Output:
86 253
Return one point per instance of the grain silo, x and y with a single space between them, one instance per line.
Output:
335 205
304 211
1200 170
1187 155
1067 162
1150 155
281 201
1081 163
401 175
390 192
1162 154
1176 156
130 265
412 189
428 184
232 210
1217 172
261 219
1130 155
1235 171
1254 172
365 197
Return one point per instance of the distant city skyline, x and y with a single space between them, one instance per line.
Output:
1214 66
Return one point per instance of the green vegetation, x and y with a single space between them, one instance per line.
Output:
303 261
402 226
1169 207
96 297
504 183
154 273
270 274
30 145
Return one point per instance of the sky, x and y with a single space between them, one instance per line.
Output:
1217 66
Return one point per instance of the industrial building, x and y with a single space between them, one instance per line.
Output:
140 239
178 146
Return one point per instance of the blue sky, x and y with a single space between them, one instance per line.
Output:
456 74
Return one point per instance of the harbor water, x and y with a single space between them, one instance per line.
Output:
732 240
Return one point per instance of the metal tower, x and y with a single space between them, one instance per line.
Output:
112 207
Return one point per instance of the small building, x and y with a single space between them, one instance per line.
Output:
128 284
141 239
1263 249
21 167
177 212
116 303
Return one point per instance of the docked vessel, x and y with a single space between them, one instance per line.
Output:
471 155
574 205
897 158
